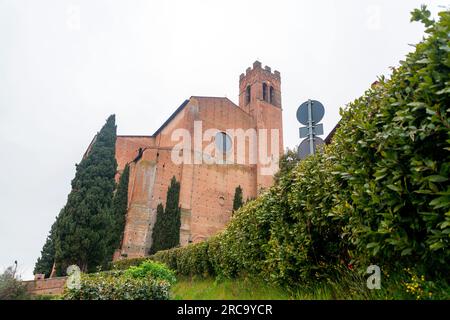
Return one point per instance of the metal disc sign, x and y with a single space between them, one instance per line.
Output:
303 148
317 112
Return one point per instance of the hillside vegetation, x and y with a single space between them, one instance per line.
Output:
378 194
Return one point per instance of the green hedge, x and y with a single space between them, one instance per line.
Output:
379 193
188 261
284 235
392 158
126 263
115 285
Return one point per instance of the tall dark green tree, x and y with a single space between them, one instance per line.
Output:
119 211
237 201
159 230
166 232
81 236
173 210
44 264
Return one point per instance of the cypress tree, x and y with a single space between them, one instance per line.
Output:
173 211
45 262
166 232
159 228
119 211
81 236
237 201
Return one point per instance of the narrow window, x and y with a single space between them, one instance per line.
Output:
247 95
223 142
272 95
264 92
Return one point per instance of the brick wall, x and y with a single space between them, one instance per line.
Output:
50 286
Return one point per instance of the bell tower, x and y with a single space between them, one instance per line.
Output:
258 84
260 96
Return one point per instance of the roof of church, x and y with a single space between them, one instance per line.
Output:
174 114
181 107
219 98
134 136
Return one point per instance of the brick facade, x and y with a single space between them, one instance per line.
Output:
207 190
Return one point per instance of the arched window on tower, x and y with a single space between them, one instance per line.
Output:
264 92
272 95
247 94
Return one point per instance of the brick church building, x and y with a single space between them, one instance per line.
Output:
206 187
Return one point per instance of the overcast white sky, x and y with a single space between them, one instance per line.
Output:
66 65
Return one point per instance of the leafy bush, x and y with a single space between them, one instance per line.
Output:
393 159
152 269
379 193
189 260
284 235
115 285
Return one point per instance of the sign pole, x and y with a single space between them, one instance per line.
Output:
310 128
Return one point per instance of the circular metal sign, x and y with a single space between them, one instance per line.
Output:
317 112
303 148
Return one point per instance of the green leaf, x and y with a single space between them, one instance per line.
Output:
394 188
437 245
406 252
417 104
423 61
437 178
440 202
445 90
445 224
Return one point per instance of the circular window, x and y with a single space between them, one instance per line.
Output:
223 142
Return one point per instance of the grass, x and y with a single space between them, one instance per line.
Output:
251 289
227 289
343 287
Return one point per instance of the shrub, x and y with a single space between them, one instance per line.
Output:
11 288
152 269
115 285
189 260
392 158
305 236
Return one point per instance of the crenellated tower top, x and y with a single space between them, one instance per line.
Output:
259 84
